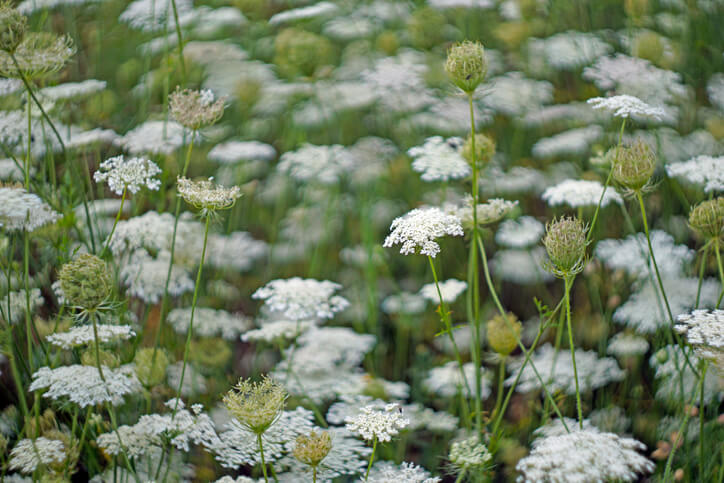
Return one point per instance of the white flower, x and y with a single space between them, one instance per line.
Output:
627 106
277 330
420 228
324 348
83 335
568 143
450 290
145 277
28 454
236 251
20 210
131 174
524 267
513 95
440 159
701 170
385 472
520 233
233 152
518 180
584 455
403 303
155 15
627 345
671 370
193 382
73 90
154 137
469 453
705 331
578 193
558 372
446 380
322 164
15 312
206 195
375 423
321 9
491 211
567 50
209 322
83 385
300 299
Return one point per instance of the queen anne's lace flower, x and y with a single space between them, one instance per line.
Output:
28 454
469 453
627 345
83 335
440 159
627 106
83 385
207 196
20 210
705 331
195 109
446 380
375 423
450 290
209 322
300 299
420 228
520 233
385 472
701 170
584 455
131 174
322 164
579 193
15 311
277 330
145 277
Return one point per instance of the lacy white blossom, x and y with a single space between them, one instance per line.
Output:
131 174
577 193
20 210
381 424
567 50
558 372
524 267
83 335
705 331
420 228
673 374
233 152
15 311
324 348
403 303
632 254
517 180
28 455
513 94
145 277
568 143
469 453
300 299
440 159
491 211
519 233
155 137
322 164
706 171
385 472
235 251
73 90
194 383
321 9
626 106
450 290
399 82
209 322
277 331
446 380
206 195
155 15
584 455
627 345
443 4
83 385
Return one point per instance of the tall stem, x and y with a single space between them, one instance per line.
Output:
261 453
193 311
567 298
608 182
702 445
372 458
180 42
717 242
115 222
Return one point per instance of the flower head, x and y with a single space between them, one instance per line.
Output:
311 449
420 228
707 218
626 106
466 65
503 335
207 196
634 165
302 299
577 193
13 26
128 174
256 405
380 423
565 242
705 331
86 282
195 109
20 210
469 453
28 455
439 159
37 55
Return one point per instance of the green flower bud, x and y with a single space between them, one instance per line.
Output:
634 166
108 359
484 149
503 335
86 282
256 405
149 372
466 65
210 352
565 242
13 26
302 52
312 449
707 218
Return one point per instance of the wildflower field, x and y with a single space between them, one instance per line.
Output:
391 241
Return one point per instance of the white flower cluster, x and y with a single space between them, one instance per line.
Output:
193 383
440 159
673 375
705 331
131 174
446 380
557 371
704 170
15 311
209 322
154 137
573 142
155 15
233 152
83 385
206 195
277 330
375 423
385 472
469 453
145 277
579 193
492 211
20 210
299 299
420 228
567 50
83 335
626 106
524 267
450 290
73 90
627 345
322 164
235 251
28 455
513 94
520 233
584 455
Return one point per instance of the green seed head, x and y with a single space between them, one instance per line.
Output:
313 448
466 65
707 218
108 359
86 282
565 242
503 335
13 26
484 149
256 405
634 166
150 372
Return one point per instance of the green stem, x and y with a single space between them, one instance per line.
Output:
721 270
372 458
261 453
679 434
115 222
702 269
567 298
702 446
180 42
501 388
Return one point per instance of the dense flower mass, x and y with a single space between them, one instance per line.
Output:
207 196
128 174
378 423
419 229
20 210
301 299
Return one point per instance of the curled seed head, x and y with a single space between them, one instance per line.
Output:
565 242
313 448
634 165
707 218
256 405
484 149
86 281
503 335
466 65
13 26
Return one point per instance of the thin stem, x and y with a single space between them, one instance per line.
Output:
372 458
608 182
567 298
193 311
721 270
501 388
679 434
314 474
702 269
115 222
702 446
261 453
180 42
